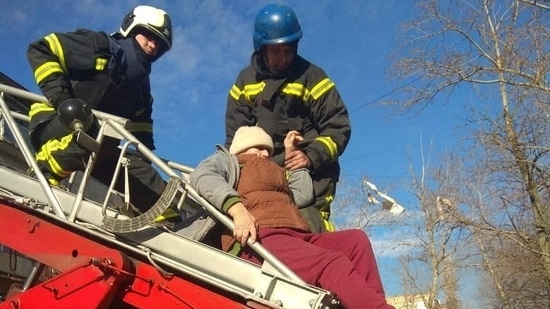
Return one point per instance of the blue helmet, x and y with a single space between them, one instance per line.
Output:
276 24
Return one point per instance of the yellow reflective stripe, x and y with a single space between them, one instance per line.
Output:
330 144
47 69
329 226
321 88
253 89
57 49
328 199
235 92
53 182
296 89
248 91
140 127
39 108
100 64
325 213
45 154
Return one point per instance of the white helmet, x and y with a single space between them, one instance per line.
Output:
151 19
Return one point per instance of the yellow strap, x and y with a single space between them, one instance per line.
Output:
167 214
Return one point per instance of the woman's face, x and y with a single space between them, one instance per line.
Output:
258 151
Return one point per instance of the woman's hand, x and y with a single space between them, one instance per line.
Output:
244 224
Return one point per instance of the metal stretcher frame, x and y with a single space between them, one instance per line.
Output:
274 285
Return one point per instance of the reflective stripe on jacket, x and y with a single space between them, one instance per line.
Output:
81 64
307 101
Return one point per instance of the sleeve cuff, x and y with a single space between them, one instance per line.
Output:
230 202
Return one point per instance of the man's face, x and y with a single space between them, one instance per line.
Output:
148 43
279 56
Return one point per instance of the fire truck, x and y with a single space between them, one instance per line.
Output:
74 246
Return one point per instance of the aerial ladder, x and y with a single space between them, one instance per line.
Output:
75 247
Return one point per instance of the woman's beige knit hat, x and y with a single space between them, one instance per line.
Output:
248 137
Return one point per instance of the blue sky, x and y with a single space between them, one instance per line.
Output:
350 39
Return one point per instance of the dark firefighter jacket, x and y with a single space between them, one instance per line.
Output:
305 100
95 67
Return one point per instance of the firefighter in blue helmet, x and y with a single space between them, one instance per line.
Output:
84 70
280 92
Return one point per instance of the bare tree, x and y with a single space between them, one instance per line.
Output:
497 51
512 268
545 4
432 265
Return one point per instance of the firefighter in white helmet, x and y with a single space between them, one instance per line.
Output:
83 70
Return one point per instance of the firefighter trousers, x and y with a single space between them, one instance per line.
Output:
59 154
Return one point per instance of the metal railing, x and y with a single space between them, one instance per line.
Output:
116 126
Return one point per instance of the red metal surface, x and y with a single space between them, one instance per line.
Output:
176 292
48 243
93 275
87 286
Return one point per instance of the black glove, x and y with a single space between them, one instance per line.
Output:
74 114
